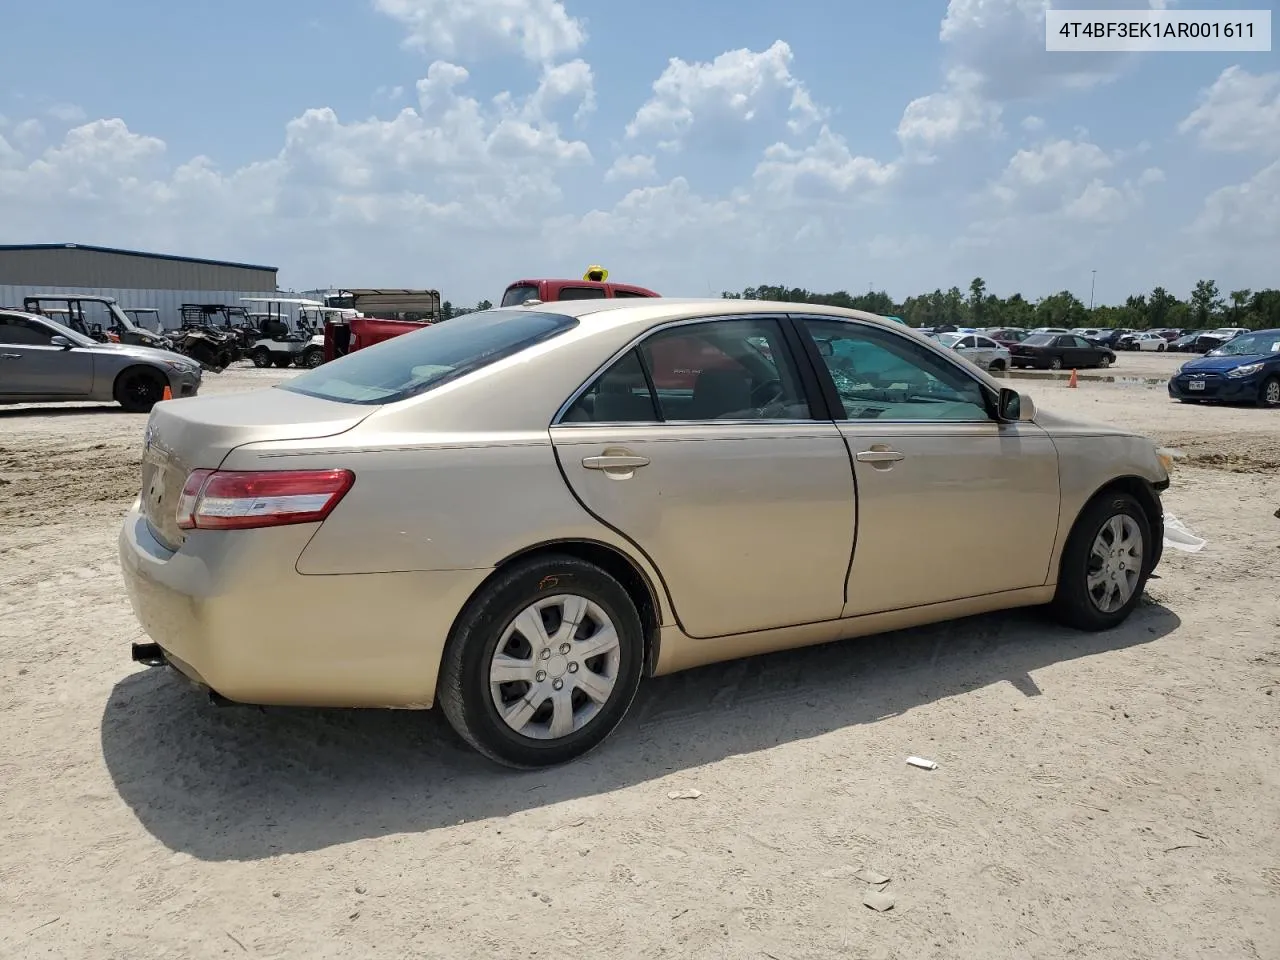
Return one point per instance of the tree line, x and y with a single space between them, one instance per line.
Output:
1204 308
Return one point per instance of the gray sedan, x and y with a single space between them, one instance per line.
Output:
41 361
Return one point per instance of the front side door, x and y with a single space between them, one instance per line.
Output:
951 503
30 365
698 445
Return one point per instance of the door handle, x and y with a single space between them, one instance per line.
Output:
879 456
615 461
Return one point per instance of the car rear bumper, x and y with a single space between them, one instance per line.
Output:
1216 387
231 613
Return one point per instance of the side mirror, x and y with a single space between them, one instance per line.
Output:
1015 407
60 341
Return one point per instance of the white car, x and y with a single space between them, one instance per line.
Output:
977 349
1146 341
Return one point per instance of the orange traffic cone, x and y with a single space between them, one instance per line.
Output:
168 394
1074 381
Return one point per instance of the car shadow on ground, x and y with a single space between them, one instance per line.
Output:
59 410
240 783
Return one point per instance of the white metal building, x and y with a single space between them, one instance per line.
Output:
132 278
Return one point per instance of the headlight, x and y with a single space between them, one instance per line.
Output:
1248 370
179 366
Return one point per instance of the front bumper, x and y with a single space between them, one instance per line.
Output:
230 611
1217 386
185 383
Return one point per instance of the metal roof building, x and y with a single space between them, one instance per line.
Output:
79 265
132 278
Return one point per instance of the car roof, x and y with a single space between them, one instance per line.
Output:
652 310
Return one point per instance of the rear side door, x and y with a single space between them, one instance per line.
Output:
30 365
701 448
951 503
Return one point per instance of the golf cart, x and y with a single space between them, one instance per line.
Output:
280 343
98 317
145 318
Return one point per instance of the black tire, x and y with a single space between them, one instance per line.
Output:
1104 361
1055 363
283 362
261 357
139 389
1269 393
464 689
1072 604
312 358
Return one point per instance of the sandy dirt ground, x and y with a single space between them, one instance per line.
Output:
1101 796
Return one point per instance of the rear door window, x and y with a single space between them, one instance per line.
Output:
519 294
414 363
582 293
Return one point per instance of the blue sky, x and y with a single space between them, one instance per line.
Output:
460 145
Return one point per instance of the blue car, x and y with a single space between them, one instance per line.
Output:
1245 369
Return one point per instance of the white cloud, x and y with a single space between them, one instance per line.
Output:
713 102
939 118
540 30
573 82
824 171
636 167
1245 216
1032 124
1056 160
1239 112
29 133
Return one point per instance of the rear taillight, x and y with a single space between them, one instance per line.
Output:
242 500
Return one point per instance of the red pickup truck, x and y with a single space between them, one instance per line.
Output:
551 291
389 313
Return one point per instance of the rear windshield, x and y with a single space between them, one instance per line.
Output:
518 294
414 363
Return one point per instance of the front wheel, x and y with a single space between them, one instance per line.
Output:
1104 362
139 390
261 358
311 359
1055 363
1104 564
1269 395
543 663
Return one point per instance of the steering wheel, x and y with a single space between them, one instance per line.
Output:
767 393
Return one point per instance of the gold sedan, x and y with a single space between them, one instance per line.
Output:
520 513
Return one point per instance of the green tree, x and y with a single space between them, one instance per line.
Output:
484 305
1206 303
446 311
1063 309
978 301
1159 307
1239 306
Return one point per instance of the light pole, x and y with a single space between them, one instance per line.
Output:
1092 284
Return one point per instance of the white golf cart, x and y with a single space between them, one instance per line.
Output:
284 339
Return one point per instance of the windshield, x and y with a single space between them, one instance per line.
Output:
518 294
1249 345
1039 340
414 363
948 339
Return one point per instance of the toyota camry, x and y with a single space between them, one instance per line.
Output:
520 514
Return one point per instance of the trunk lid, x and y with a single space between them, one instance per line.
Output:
184 435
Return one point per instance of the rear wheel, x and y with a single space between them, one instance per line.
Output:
1104 361
1104 564
1269 395
543 663
261 357
139 390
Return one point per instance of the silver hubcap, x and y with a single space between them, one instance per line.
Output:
1273 392
1115 563
555 667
